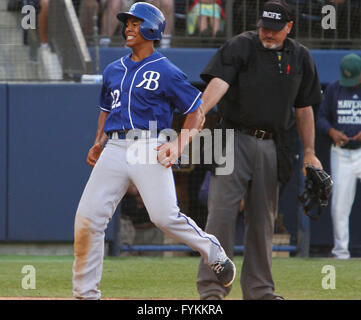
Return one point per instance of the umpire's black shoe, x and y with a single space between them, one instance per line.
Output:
225 270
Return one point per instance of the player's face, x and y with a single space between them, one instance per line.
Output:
132 32
272 39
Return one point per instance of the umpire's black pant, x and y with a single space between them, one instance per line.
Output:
254 179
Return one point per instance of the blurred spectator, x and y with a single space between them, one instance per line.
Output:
106 11
103 13
88 9
109 21
206 17
167 7
50 65
339 117
43 22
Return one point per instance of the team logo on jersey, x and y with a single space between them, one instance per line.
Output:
150 79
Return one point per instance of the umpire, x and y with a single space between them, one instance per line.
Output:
257 77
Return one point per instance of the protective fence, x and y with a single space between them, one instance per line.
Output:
207 23
47 40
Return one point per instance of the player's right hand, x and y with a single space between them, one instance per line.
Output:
168 153
94 154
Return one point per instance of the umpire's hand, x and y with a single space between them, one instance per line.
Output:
94 154
310 160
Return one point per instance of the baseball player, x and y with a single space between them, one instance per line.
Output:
139 90
339 117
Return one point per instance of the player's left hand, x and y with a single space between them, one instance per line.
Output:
310 159
168 153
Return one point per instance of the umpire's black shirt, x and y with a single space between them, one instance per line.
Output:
263 89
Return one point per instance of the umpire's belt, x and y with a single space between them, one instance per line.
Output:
132 134
259 134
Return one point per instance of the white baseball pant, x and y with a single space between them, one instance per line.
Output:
345 170
108 182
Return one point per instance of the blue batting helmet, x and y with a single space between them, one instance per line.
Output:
153 24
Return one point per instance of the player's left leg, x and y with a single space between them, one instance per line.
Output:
157 189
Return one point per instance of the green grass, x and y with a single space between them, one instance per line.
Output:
175 278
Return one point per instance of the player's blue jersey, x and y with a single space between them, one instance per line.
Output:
340 109
134 93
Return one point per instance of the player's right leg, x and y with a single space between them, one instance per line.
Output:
107 184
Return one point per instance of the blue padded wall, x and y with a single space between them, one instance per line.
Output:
51 128
3 161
